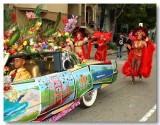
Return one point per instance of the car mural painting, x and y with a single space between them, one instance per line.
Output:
22 102
83 81
51 96
103 73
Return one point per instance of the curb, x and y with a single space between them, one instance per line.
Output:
116 52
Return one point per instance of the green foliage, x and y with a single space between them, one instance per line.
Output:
75 59
38 10
14 37
44 27
52 30
112 46
8 23
132 14
135 13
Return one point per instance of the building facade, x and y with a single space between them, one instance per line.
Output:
88 19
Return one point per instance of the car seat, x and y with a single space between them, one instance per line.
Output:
33 68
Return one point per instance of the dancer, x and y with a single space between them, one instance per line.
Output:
103 40
79 41
139 61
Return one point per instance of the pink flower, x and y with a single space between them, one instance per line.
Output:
37 47
30 15
71 24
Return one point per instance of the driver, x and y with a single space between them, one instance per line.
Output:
20 72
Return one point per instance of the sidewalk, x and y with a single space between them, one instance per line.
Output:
110 52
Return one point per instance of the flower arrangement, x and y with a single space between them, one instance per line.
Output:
34 36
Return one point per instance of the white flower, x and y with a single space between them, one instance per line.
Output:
13 29
7 79
31 40
55 47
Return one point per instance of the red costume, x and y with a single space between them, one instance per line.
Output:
79 47
142 51
101 52
104 38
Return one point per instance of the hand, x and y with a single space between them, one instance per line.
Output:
129 47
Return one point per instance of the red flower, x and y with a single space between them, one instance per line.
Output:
5 47
6 68
7 87
12 51
64 20
13 16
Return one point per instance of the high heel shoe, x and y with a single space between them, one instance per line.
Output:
140 78
133 81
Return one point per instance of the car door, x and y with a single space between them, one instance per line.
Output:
83 81
104 73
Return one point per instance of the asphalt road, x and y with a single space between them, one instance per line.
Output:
121 101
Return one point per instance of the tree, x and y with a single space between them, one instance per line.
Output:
114 9
136 13
131 14
103 7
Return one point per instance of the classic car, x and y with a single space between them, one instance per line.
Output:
57 86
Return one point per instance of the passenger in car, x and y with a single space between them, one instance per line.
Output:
20 72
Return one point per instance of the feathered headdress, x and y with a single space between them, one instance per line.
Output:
141 31
107 35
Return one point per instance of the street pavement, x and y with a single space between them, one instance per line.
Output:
121 102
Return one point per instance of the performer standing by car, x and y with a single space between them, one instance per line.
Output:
79 42
101 52
139 61
103 39
20 72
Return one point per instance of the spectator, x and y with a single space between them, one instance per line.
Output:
120 43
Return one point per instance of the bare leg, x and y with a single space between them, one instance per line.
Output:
133 65
138 65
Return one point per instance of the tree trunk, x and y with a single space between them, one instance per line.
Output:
102 18
114 24
113 27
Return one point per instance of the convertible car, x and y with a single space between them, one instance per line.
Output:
57 86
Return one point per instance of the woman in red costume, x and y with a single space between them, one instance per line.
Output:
139 61
102 43
79 42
